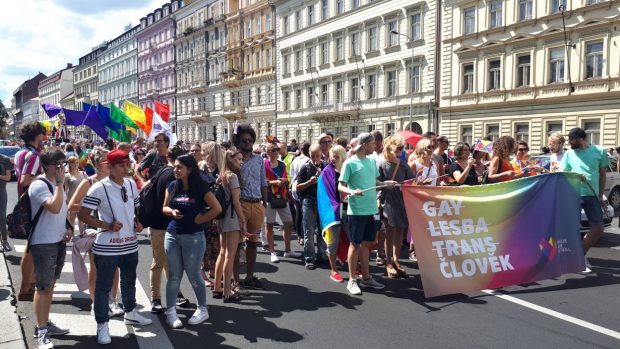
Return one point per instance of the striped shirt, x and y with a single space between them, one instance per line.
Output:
106 197
27 162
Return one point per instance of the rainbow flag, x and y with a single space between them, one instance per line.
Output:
328 207
485 146
489 236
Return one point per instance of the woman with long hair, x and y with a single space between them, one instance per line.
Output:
73 178
394 213
424 168
500 169
98 159
328 207
139 154
462 169
232 226
210 166
190 204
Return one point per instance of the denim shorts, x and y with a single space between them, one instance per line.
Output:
361 228
592 207
48 261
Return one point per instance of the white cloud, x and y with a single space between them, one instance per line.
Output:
45 35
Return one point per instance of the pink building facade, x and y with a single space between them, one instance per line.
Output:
156 74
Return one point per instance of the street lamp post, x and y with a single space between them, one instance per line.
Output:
410 78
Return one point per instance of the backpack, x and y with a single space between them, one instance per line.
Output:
20 222
150 199
224 197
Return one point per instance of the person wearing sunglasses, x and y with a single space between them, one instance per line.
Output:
155 159
47 244
116 246
325 143
139 155
521 163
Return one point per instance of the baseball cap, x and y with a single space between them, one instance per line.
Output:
324 135
118 156
362 139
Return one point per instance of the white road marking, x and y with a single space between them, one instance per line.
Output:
557 315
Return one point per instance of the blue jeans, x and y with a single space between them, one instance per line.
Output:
311 230
106 267
184 252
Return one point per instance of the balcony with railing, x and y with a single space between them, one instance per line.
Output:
198 86
335 109
232 78
199 115
234 112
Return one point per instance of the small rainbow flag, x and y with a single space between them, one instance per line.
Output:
485 146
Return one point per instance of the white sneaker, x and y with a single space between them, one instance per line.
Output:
292 254
370 282
103 333
274 258
353 288
200 315
43 339
116 310
134 318
172 319
588 268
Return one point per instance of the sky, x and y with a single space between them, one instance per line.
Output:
44 35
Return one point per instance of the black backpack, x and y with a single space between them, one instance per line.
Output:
150 199
224 197
20 222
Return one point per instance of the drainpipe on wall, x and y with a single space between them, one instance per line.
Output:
434 104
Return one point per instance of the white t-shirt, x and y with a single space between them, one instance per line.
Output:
125 241
51 227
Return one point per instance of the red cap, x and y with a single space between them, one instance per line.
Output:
118 156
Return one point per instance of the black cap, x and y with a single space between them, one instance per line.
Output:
577 133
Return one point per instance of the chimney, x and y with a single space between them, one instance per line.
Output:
69 65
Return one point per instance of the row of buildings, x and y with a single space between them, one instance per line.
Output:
297 68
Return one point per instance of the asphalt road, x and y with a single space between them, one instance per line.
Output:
305 309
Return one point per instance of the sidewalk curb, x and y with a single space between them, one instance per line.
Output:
11 333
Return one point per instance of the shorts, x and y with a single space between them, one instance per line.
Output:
48 260
592 207
331 236
254 213
361 228
284 213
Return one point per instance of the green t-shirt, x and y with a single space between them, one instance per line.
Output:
361 174
587 162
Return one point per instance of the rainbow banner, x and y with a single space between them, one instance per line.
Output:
484 237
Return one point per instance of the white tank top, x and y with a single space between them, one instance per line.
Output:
426 172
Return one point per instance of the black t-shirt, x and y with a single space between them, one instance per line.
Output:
306 172
160 221
153 163
189 206
292 148
472 177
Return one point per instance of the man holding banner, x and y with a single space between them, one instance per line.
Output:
590 161
358 180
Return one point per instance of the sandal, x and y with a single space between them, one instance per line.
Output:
218 294
401 272
380 261
233 298
391 271
209 284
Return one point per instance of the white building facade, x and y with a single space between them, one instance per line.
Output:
117 69
54 88
216 65
347 67
507 70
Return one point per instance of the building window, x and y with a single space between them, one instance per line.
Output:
522 132
594 60
324 94
310 91
553 127
593 131
339 94
324 53
592 2
495 72
297 99
355 44
269 94
356 4
324 9
299 64
285 65
389 129
373 43
310 12
392 38
371 82
259 25
467 135
492 131
285 24
268 21
354 131
298 24
339 7
555 5
391 84
469 20
355 90
495 14
287 100
414 79
525 10
416 26
310 56
556 65
523 70
468 78
370 127
309 134
339 49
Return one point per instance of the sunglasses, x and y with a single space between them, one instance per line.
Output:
325 142
523 149
274 150
124 194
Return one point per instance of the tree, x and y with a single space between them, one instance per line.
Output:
4 116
